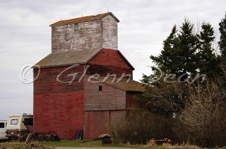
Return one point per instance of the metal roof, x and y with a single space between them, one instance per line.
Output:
72 57
67 58
126 85
85 18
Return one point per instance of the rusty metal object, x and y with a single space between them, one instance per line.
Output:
106 138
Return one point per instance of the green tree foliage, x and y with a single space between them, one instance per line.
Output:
186 57
222 46
186 54
222 42
178 54
177 61
208 62
166 60
187 47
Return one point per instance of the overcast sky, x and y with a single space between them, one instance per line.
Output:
144 24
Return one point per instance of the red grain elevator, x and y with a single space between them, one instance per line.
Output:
85 83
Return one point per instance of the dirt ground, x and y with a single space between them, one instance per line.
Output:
92 148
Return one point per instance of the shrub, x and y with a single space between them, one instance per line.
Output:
141 126
203 120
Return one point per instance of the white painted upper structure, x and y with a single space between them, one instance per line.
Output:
85 33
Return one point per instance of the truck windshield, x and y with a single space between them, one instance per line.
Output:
14 122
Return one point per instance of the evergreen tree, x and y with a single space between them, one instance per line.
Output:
188 43
184 54
208 61
166 59
222 47
178 55
222 42
164 62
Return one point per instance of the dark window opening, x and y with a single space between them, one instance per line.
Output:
2 125
76 26
100 88
28 121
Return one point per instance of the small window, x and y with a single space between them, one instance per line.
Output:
14 121
76 26
2 125
100 88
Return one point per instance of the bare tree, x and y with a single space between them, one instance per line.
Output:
204 117
165 97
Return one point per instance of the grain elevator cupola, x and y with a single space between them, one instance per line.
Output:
85 33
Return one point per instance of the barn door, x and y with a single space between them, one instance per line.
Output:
96 123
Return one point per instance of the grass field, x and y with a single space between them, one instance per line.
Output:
81 144
48 145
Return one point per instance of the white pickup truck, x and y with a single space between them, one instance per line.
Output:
3 134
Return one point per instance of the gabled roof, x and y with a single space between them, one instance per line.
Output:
110 55
126 85
126 60
85 18
72 57
67 58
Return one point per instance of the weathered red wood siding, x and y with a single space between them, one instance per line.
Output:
108 98
102 108
68 103
59 106
108 57
96 123
109 62
74 104
116 117
100 122
130 100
